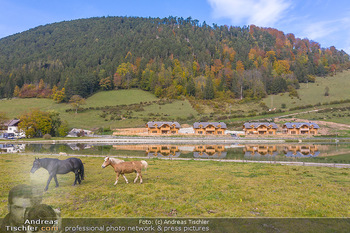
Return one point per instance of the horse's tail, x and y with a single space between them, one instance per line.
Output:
144 164
81 171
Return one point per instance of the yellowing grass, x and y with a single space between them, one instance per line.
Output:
190 189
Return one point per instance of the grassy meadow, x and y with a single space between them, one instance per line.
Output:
188 189
313 93
95 118
133 108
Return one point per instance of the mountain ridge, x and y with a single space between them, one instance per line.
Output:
169 57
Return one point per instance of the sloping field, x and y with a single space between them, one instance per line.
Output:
313 93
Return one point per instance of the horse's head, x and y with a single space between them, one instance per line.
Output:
106 162
36 165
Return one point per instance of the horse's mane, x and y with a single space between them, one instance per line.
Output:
115 161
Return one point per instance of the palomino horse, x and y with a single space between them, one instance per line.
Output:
121 167
56 166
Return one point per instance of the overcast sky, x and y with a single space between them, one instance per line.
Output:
324 21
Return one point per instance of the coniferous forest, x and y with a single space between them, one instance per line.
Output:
170 57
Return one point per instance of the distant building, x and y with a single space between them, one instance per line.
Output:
260 128
79 133
300 128
163 127
11 128
209 128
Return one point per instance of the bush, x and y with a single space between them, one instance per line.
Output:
47 136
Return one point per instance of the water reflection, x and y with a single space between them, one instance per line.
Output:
163 151
12 148
209 151
256 151
301 151
233 151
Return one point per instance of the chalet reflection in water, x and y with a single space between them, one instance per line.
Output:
301 151
256 151
163 151
260 150
209 151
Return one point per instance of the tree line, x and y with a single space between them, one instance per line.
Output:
169 57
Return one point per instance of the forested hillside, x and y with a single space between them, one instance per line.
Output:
169 57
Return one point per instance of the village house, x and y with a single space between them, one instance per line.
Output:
163 127
211 128
260 128
11 128
300 128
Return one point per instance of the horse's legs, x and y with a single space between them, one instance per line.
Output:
48 182
76 177
137 176
140 178
126 179
56 181
77 174
116 180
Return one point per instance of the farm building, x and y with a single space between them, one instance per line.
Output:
163 127
300 128
260 128
213 128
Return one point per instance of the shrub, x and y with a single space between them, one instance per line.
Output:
47 136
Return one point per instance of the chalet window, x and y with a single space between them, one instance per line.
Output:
154 131
293 132
173 132
271 132
219 132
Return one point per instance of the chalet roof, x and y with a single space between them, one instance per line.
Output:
248 125
290 125
152 124
196 125
13 122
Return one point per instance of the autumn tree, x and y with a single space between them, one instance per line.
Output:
35 123
3 117
59 95
76 101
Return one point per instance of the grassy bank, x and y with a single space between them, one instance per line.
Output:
189 189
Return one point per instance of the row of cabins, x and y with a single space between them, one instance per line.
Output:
200 128
219 128
290 128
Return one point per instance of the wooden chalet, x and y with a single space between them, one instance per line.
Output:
300 128
260 128
163 127
209 128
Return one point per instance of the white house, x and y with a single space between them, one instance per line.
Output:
11 127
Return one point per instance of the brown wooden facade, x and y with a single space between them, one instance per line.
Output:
161 127
209 128
260 128
300 128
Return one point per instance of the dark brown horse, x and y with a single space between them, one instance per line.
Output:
121 167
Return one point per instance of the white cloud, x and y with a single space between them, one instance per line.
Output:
259 12
330 32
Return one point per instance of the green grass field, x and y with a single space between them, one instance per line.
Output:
188 189
313 93
90 119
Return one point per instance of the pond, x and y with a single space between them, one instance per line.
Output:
328 153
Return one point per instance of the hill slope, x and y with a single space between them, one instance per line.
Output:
169 57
